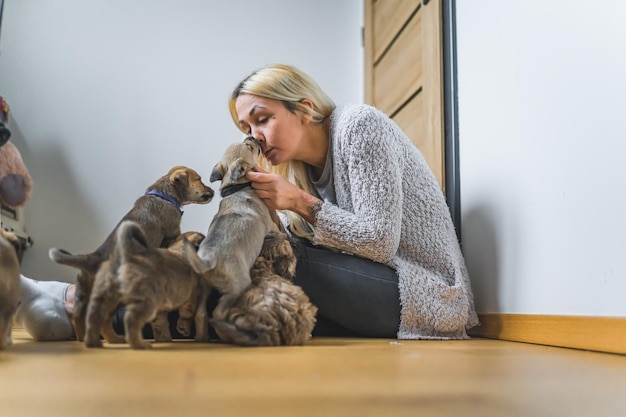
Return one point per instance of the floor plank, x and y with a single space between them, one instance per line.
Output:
327 377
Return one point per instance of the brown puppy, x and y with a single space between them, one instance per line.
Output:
106 296
237 231
157 212
272 311
148 281
9 284
186 312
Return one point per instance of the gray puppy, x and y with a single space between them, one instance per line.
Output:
148 281
9 284
236 233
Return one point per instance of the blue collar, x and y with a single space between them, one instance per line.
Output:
166 197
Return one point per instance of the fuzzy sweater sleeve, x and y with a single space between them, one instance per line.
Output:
367 160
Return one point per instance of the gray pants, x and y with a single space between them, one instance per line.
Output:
354 296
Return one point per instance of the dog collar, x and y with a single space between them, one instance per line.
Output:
232 189
167 198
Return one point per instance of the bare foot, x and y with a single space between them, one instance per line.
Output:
70 292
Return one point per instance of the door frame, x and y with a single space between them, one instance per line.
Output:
450 113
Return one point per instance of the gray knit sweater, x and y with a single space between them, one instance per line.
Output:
390 209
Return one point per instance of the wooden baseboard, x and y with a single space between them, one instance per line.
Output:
603 334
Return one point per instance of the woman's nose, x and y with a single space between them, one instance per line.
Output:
257 135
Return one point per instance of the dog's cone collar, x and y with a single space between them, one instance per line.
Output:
232 189
167 198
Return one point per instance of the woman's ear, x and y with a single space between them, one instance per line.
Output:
306 117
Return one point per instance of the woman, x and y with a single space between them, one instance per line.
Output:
377 250
378 253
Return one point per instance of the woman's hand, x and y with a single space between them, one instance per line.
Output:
280 194
274 190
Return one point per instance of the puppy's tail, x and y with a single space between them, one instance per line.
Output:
130 240
231 333
87 263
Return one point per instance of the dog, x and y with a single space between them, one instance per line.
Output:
9 284
235 239
236 233
158 212
148 281
106 295
272 311
187 311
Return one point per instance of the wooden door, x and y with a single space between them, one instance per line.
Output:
404 71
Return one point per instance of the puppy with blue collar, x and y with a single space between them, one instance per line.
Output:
158 212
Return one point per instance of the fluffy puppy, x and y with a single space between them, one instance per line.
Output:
236 233
273 310
148 281
106 296
9 284
158 212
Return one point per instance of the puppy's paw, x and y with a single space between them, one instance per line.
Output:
97 343
184 326
201 338
279 254
162 337
116 340
161 329
141 345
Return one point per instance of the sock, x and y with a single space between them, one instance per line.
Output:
41 309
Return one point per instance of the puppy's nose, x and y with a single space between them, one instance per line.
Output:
257 143
208 195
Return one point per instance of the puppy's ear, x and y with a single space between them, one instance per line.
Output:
239 168
179 175
195 238
218 172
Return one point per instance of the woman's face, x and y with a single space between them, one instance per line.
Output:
278 130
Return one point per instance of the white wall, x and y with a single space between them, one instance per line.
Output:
106 96
542 100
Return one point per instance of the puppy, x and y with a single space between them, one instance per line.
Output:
157 212
148 281
258 307
237 231
9 284
186 312
272 311
106 296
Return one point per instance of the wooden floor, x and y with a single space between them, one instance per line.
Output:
327 377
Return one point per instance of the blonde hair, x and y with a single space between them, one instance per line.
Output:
290 86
